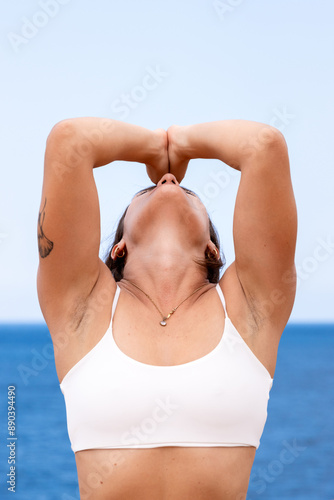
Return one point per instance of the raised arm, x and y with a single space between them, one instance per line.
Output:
69 217
265 219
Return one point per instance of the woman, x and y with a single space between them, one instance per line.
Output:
166 394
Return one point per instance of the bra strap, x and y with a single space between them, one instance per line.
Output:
114 304
222 298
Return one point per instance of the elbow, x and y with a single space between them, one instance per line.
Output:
63 131
273 139
265 142
270 149
67 144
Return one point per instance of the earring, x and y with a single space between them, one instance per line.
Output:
119 255
211 251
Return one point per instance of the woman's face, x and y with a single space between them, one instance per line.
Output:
169 206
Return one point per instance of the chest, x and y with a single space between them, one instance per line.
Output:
186 337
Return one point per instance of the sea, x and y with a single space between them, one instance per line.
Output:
295 459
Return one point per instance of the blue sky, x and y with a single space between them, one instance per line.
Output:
180 62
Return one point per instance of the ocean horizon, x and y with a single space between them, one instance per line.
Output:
295 459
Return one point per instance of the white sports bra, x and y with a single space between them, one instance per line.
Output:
114 401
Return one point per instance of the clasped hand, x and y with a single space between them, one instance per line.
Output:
170 154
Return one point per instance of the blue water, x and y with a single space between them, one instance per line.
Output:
294 461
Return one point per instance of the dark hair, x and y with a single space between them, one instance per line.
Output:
212 264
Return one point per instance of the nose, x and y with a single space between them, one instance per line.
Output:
168 178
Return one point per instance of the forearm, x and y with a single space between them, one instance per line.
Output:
100 141
231 141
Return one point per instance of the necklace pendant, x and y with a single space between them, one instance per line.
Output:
163 323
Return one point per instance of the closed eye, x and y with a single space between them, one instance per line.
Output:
145 191
188 191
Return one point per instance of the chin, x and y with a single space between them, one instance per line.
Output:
169 207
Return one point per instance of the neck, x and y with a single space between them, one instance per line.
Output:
166 273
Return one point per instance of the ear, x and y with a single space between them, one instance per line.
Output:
118 249
211 248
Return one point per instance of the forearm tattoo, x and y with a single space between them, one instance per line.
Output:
45 245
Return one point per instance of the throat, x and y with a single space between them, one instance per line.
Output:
166 305
164 279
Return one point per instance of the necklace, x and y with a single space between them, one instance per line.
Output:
164 318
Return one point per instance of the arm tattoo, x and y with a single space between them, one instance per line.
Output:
45 245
